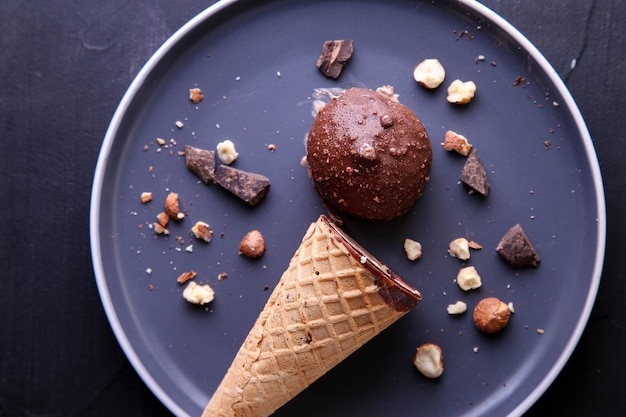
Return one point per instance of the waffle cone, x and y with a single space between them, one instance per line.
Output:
332 299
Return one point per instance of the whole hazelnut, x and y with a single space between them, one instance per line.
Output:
252 244
491 315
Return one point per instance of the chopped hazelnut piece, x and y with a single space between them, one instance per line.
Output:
468 279
202 231
429 73
459 248
226 152
428 360
186 276
460 92
456 142
195 95
146 197
413 249
172 207
198 294
457 308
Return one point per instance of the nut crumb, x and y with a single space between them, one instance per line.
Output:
540 331
195 95
222 276
146 197
474 245
186 276
158 228
457 308
271 147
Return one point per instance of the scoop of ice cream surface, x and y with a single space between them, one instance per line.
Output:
368 156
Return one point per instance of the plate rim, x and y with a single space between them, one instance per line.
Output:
192 24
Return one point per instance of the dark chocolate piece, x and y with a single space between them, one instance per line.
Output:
516 249
201 162
474 175
250 187
335 54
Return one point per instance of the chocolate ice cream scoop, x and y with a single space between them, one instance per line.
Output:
368 156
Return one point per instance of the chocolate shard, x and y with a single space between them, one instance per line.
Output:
201 162
473 174
516 248
248 186
335 54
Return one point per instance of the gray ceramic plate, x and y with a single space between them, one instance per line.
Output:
255 63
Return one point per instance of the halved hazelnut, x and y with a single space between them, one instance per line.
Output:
428 360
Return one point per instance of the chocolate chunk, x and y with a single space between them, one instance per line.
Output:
250 187
474 175
516 249
201 162
335 54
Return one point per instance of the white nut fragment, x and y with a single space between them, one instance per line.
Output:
198 294
428 360
226 152
456 142
457 308
389 92
460 92
429 73
413 249
459 248
468 279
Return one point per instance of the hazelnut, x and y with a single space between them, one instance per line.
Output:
186 276
428 360
456 142
198 294
429 73
460 92
226 152
457 308
163 218
459 248
491 315
146 197
172 207
468 279
252 244
195 95
202 231
413 249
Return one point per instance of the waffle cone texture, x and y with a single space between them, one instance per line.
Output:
332 299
